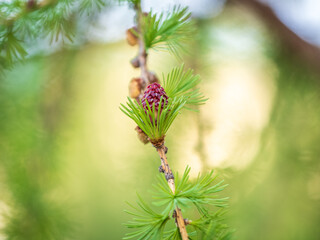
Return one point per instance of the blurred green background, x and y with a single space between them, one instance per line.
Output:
70 158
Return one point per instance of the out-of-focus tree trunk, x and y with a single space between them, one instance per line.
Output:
291 43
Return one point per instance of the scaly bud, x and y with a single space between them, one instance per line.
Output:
142 136
132 38
135 62
135 87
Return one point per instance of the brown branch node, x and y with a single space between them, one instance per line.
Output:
169 175
187 221
161 170
158 143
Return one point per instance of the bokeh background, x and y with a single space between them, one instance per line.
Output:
69 158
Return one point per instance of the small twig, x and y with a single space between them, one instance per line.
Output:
180 221
142 54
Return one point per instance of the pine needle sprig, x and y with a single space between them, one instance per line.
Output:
172 234
168 31
89 6
132 3
154 124
200 192
9 8
184 83
11 47
21 24
26 27
56 22
212 227
149 223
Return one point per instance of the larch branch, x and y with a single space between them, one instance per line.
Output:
142 57
142 53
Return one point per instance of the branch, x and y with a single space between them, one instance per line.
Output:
165 168
142 54
161 149
290 41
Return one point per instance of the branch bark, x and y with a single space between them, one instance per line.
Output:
165 168
293 43
142 53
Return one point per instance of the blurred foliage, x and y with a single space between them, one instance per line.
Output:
22 23
28 152
282 199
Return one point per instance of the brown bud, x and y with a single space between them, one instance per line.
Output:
132 38
145 14
187 221
165 150
161 170
142 136
135 62
31 4
45 3
174 214
152 77
135 87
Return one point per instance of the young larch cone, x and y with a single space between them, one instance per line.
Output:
153 94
